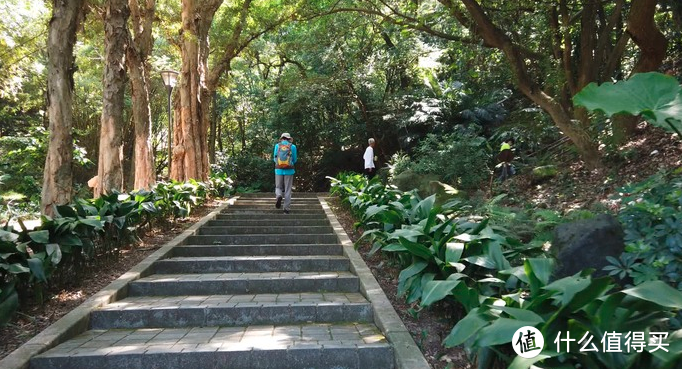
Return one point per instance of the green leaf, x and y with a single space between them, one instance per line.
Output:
542 268
568 287
500 331
411 271
54 252
394 247
66 211
17 268
657 292
69 239
416 249
520 314
149 207
8 236
37 269
655 96
465 328
436 290
94 223
481 260
9 303
373 210
453 251
520 362
40 236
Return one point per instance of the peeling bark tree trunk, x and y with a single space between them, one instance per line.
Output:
190 154
136 57
58 174
110 170
652 45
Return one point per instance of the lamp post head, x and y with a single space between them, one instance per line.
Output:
169 77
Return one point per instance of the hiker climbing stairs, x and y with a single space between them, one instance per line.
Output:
252 289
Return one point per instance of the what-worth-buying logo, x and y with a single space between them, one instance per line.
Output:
528 342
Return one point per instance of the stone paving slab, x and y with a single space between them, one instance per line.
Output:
267 229
278 221
278 215
343 346
260 239
241 283
269 263
232 310
248 210
257 250
265 206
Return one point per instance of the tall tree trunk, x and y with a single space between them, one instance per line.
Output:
562 118
110 145
58 174
190 154
652 45
136 57
213 129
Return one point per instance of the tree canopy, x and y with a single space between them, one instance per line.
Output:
332 73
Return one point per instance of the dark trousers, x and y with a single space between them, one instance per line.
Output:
370 172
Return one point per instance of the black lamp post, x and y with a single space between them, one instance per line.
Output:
169 77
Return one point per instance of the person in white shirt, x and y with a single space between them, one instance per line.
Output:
370 170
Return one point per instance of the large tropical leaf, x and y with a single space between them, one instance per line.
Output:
40 236
465 328
416 249
655 96
657 292
9 303
435 291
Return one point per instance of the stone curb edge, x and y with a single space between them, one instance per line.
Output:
407 354
78 319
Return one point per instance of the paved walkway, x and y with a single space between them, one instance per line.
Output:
251 289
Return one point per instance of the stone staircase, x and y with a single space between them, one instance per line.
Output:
252 289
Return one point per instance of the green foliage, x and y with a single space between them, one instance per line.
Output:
655 96
89 231
247 171
459 158
504 284
575 306
651 215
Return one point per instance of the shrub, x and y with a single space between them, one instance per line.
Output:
88 231
504 285
459 158
651 215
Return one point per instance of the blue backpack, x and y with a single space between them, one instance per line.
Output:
284 157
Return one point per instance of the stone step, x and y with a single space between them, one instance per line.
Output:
252 264
271 199
279 215
294 206
318 212
277 222
261 239
230 230
294 195
243 283
231 310
304 346
258 250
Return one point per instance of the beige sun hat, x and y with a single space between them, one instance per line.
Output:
285 135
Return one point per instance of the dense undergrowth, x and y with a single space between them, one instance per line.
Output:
494 267
87 232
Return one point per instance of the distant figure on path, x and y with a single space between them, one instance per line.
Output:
284 156
505 157
370 170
